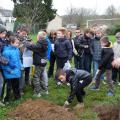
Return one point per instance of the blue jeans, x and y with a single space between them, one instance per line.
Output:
95 68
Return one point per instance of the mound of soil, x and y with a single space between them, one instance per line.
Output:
40 110
108 112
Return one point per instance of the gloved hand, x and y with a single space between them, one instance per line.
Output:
66 104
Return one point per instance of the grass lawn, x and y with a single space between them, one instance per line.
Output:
58 95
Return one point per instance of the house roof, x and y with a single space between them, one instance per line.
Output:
6 13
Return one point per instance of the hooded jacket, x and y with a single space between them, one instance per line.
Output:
13 68
107 56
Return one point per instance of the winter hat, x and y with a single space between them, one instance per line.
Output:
2 28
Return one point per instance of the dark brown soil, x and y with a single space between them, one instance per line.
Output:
40 110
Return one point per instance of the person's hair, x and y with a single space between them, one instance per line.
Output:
23 28
9 33
42 34
117 34
86 31
105 40
59 73
99 30
77 28
92 32
62 30
69 31
52 33
12 39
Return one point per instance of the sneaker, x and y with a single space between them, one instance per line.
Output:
119 83
59 83
68 84
47 93
21 93
94 88
2 104
104 83
110 93
37 95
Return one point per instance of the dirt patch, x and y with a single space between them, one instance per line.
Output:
108 112
40 110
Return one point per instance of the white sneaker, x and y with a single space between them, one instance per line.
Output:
119 83
37 95
47 93
59 83
68 84
2 104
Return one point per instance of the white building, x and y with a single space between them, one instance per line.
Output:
54 24
7 19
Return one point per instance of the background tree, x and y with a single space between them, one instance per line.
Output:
111 11
33 11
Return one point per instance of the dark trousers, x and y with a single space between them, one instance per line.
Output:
52 63
86 62
60 62
80 93
27 72
78 62
115 72
14 84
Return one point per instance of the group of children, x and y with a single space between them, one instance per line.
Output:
18 53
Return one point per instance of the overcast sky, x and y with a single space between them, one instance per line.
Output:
62 5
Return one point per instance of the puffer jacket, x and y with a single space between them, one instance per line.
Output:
63 48
13 68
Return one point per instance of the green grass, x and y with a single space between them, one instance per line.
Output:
59 94
112 38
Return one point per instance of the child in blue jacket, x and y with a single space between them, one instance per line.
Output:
12 71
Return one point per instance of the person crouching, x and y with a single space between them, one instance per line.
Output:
78 80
